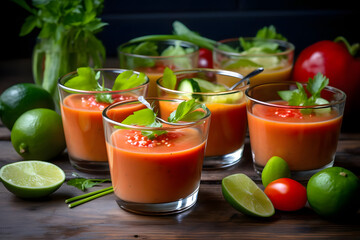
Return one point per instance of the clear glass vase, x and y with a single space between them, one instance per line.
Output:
54 58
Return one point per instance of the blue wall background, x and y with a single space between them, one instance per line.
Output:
303 22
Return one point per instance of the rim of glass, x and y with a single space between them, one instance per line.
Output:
216 71
189 44
289 47
134 127
269 104
116 70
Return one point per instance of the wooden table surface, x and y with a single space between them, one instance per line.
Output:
210 218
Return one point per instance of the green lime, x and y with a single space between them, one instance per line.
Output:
38 134
333 192
244 195
32 179
274 169
20 98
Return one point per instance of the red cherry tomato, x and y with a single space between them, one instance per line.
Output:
205 58
286 194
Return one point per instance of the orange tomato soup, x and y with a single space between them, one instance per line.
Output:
83 126
227 126
304 141
164 170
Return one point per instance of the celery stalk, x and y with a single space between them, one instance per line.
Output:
66 39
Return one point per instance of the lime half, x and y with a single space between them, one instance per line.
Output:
32 179
245 196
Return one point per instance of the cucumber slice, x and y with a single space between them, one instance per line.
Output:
194 85
230 99
189 85
206 86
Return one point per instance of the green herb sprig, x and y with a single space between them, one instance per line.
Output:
186 111
88 80
85 184
299 97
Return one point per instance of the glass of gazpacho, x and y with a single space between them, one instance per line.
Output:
151 57
305 135
244 55
228 110
155 164
84 94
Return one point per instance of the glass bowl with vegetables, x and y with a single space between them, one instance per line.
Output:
84 94
152 56
268 50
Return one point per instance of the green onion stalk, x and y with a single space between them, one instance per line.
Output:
66 40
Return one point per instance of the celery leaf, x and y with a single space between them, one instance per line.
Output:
169 79
299 97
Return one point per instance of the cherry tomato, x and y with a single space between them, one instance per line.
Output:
205 58
286 194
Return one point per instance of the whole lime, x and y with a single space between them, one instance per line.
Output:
20 98
274 169
38 134
333 192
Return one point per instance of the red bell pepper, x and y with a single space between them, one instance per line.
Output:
336 60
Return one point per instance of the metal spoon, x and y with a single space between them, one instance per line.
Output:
247 77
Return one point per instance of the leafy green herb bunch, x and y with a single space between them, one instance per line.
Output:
66 39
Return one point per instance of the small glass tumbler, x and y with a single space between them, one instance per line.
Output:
306 137
157 175
82 119
228 114
163 53
229 54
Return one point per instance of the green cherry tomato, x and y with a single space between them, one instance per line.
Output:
286 194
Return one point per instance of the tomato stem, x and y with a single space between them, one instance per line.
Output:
353 49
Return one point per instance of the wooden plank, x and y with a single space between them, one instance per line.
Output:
211 217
